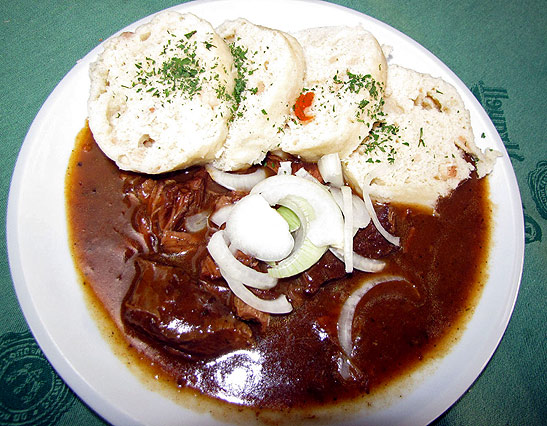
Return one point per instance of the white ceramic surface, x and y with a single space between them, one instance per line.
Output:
51 297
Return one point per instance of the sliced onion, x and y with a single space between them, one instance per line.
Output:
196 222
221 215
303 173
347 369
290 217
277 306
258 230
361 218
236 181
361 263
327 227
345 320
302 258
347 211
370 208
305 254
331 169
226 261
285 168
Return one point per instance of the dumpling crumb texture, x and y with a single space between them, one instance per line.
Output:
160 97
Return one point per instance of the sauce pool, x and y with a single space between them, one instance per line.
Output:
293 363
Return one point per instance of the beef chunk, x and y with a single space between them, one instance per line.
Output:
306 284
168 307
248 313
209 269
328 268
368 242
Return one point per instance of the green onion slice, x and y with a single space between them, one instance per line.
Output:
305 254
290 217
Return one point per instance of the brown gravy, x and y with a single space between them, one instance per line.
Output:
293 363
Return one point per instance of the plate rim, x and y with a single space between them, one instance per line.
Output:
51 350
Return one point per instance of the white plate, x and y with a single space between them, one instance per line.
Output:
52 300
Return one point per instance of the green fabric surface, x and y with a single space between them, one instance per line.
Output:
488 44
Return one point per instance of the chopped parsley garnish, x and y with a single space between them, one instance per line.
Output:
240 56
241 63
381 138
356 83
181 73
421 140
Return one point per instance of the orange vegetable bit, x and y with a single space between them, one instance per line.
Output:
303 102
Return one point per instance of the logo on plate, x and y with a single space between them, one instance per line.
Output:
32 393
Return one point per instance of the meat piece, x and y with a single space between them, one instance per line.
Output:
272 160
165 203
180 242
170 203
247 260
368 242
307 283
224 200
209 269
248 313
168 307
328 268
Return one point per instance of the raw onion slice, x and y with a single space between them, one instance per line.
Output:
361 218
331 169
345 320
347 211
196 222
361 263
290 217
347 369
302 258
303 173
370 208
285 168
236 181
258 230
226 261
327 227
221 215
305 254
277 306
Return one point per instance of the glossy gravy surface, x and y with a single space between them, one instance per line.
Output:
294 361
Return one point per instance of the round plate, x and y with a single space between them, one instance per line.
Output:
51 297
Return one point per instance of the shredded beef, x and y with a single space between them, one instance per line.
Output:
178 297
162 205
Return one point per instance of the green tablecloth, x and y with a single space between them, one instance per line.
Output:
493 46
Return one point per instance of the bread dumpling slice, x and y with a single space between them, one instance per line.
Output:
270 67
160 97
417 153
343 90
